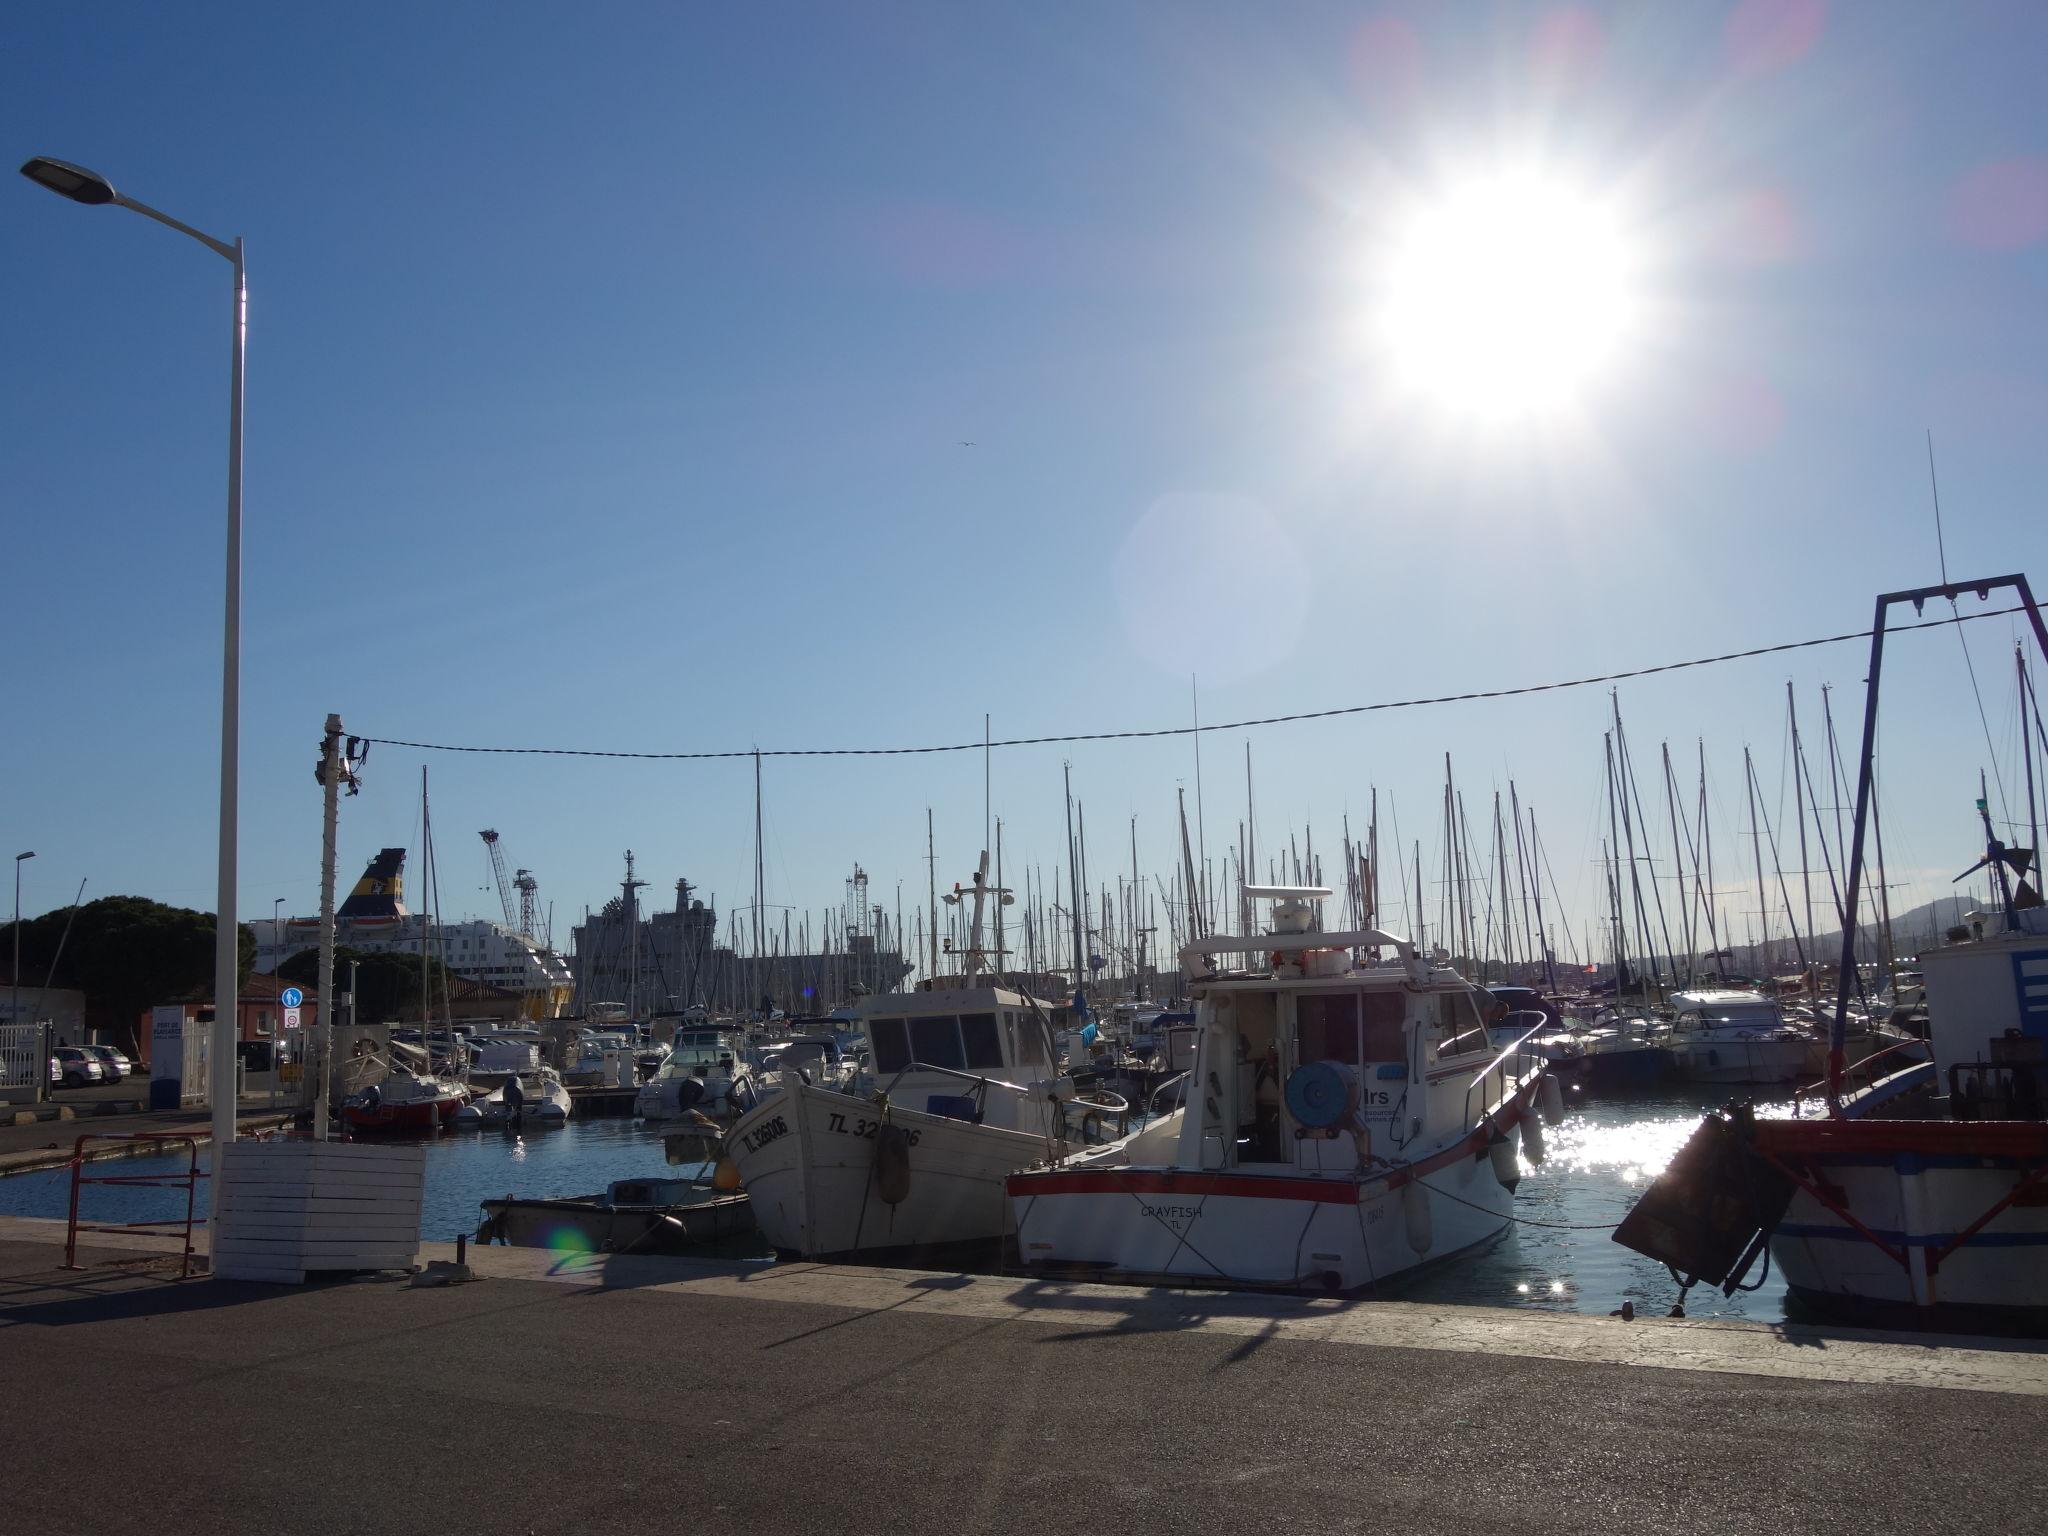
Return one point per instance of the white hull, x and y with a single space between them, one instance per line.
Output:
807 1156
1917 1206
661 1099
1222 1229
548 1105
1727 1059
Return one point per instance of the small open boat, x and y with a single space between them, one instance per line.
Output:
647 1216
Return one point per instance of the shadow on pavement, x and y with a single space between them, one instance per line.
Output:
106 1292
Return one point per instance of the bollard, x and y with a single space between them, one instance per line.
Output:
461 1247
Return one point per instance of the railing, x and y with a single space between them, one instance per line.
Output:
1902 1051
1179 1080
1075 1114
1488 1104
25 1057
189 1179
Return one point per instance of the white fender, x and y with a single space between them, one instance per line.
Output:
1506 1166
1550 1093
1416 1217
1532 1139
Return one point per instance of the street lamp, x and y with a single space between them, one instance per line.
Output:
14 1005
94 190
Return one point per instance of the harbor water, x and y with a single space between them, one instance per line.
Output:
1558 1255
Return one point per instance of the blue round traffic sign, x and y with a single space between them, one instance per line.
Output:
291 997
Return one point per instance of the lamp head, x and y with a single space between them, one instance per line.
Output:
20 856
68 180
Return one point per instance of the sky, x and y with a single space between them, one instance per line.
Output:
706 378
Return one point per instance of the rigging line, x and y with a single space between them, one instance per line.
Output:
1187 730
1941 550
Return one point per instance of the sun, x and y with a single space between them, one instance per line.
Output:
1510 295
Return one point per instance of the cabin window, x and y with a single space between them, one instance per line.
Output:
1386 1026
1459 1021
983 1040
1030 1039
1328 1026
892 1044
935 1041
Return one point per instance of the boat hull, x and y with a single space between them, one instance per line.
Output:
1917 1189
591 1225
809 1158
414 1115
1730 1059
1239 1228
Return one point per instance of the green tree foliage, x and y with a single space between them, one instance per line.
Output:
387 984
126 954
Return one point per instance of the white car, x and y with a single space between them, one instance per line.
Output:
78 1068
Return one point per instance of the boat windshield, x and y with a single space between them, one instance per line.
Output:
1742 1018
693 1052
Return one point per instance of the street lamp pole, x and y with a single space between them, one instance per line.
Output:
94 190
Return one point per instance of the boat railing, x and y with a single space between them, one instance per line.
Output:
1178 1080
1498 1080
1088 1121
1902 1056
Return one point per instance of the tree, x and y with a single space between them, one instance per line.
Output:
126 954
387 982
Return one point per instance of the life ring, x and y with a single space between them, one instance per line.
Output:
1091 1128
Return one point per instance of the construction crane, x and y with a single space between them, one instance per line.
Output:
498 872
529 903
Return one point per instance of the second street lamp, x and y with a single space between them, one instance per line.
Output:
94 190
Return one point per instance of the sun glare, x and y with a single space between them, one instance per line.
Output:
1508 296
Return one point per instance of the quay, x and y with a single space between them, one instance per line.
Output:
608 1393
30 1142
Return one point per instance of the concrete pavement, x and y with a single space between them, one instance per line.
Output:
562 1396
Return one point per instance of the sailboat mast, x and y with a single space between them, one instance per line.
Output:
1799 809
931 868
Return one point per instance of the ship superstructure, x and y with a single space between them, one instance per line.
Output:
374 918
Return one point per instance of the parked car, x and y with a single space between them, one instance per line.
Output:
113 1063
78 1067
56 1072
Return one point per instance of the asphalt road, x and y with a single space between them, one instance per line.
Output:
147 1405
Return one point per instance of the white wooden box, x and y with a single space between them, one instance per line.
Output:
290 1208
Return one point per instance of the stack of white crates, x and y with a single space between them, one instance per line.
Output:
293 1208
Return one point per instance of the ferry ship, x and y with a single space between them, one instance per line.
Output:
374 918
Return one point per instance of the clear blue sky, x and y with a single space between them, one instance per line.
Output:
610 370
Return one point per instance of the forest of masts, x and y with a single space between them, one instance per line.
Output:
1485 895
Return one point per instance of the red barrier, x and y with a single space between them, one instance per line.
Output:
189 1179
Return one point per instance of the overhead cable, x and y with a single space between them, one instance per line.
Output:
1190 730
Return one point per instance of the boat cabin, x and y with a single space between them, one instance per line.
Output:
968 1052
1724 1010
1315 1062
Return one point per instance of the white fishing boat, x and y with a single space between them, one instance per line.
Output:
1345 1122
1735 1037
965 1094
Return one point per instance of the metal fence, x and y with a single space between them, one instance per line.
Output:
24 1060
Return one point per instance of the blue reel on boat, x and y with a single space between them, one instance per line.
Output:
1322 1094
